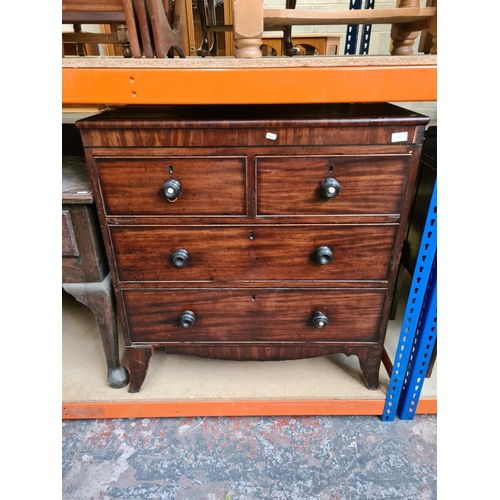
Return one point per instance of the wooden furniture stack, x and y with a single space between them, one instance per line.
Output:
254 232
408 20
156 28
162 28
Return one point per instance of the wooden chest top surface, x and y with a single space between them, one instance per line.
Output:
325 115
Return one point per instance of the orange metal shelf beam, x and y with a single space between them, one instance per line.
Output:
120 86
153 409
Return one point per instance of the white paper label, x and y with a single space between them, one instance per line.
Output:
399 136
271 136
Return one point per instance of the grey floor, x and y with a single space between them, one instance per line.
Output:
339 458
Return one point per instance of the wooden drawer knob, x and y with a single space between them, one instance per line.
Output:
330 187
324 255
180 257
319 319
187 319
171 189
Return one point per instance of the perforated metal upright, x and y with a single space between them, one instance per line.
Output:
351 39
419 327
421 352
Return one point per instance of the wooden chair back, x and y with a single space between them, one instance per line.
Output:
103 12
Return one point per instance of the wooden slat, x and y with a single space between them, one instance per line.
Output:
93 17
105 38
89 6
295 17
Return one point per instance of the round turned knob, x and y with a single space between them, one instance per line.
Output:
171 189
319 319
180 257
187 319
330 187
324 255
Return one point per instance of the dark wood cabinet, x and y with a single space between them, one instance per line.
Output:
254 232
85 271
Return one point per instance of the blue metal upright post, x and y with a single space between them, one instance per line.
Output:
422 289
421 353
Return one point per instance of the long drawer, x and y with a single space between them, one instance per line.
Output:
253 315
247 253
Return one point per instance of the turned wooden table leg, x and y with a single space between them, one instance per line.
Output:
370 367
122 34
248 25
403 35
138 363
100 299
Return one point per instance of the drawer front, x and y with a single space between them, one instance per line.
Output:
69 245
233 253
209 186
254 315
293 185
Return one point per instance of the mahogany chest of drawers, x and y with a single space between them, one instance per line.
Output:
254 232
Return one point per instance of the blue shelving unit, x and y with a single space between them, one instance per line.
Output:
421 352
419 327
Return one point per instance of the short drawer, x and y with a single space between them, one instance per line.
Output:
208 186
232 253
253 315
299 185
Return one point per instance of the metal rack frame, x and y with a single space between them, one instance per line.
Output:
419 327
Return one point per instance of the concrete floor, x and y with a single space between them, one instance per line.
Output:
299 458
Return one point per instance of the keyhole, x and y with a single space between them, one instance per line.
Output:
170 169
251 235
253 298
330 168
